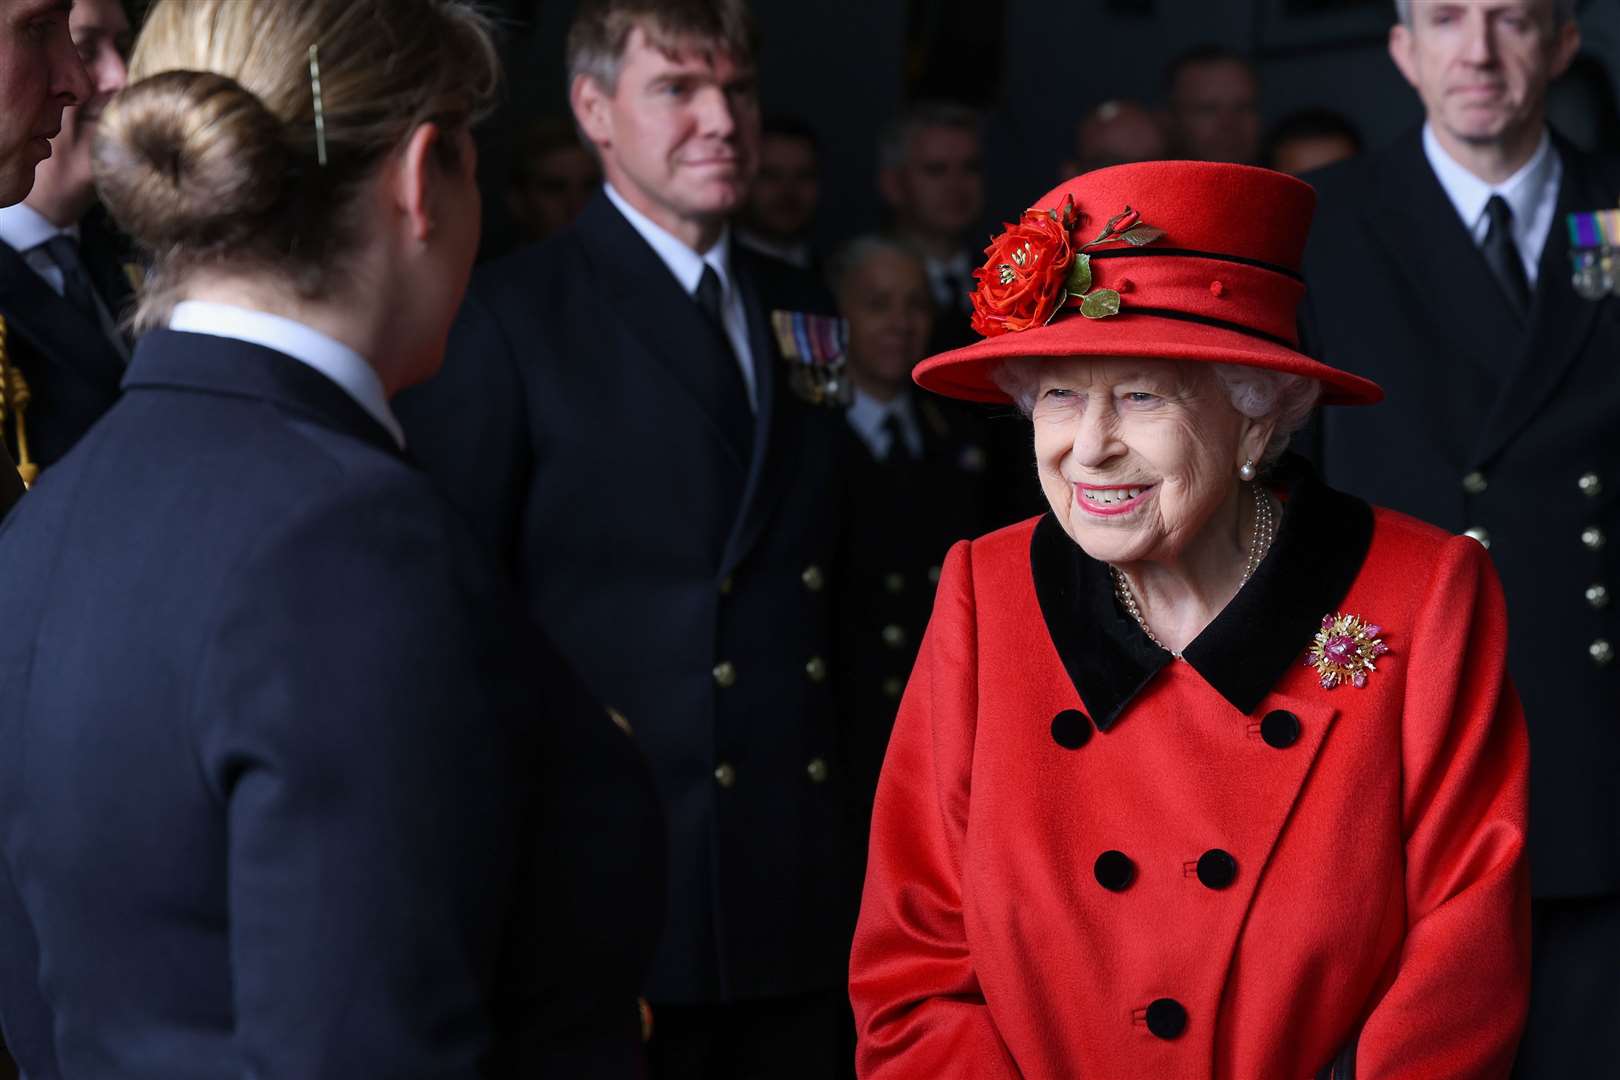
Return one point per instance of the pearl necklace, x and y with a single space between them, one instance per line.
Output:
1259 544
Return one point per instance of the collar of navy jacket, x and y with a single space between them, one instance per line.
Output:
1320 545
204 363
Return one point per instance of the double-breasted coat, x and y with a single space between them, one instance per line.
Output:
1091 860
683 558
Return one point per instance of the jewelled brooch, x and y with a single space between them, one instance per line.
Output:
1345 650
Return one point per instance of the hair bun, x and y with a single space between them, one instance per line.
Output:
190 158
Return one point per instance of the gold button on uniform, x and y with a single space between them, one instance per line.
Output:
893 688
1602 652
813 578
1475 483
1591 484
895 582
816 668
619 721
1593 538
817 769
894 636
725 674
725 775
1598 596
1478 534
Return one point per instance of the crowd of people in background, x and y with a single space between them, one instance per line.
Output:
730 555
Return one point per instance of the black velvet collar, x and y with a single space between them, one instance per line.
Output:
1320 545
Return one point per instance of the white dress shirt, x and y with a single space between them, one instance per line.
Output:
25 230
687 266
867 415
1531 193
353 375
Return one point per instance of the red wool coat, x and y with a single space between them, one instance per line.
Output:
1090 860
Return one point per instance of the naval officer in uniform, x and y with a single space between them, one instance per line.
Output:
619 424
1440 267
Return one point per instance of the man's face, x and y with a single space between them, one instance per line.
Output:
40 75
1117 133
1307 153
1214 109
679 134
939 189
1482 66
782 201
890 313
101 34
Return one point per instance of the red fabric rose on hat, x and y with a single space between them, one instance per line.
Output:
1023 280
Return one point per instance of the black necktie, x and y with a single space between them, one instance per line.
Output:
1502 254
733 390
899 449
76 288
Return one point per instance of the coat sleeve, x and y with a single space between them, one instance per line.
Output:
919 1010
363 726
1456 1004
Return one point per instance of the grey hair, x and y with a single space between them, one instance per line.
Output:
895 145
1258 393
853 255
1563 11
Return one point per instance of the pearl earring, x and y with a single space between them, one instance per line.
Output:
1246 471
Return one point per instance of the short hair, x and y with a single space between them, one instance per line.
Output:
789 126
1258 393
1199 55
1309 124
600 32
211 157
537 138
895 144
1563 11
853 255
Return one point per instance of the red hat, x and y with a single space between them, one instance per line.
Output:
1171 260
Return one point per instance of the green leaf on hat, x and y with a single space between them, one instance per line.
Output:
1079 282
1141 234
1100 304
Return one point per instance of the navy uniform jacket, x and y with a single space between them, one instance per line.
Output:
686 577
1510 429
73 369
904 515
271 730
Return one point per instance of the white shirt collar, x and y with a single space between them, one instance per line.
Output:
686 264
867 415
305 344
1469 193
23 228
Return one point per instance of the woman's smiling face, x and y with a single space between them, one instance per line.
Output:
1136 457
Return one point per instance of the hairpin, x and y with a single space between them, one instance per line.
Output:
320 108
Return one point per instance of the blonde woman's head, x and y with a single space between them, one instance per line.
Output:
212 161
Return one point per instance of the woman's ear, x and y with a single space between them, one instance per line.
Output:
1256 437
417 180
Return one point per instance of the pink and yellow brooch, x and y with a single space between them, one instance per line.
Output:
1345 650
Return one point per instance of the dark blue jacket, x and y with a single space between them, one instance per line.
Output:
582 422
288 788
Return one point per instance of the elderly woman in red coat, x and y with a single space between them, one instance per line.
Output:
1212 771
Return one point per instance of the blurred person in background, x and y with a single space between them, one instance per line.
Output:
1440 266
919 482
1116 132
553 176
298 791
1310 139
41 76
931 178
627 426
63 285
780 214
1214 106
